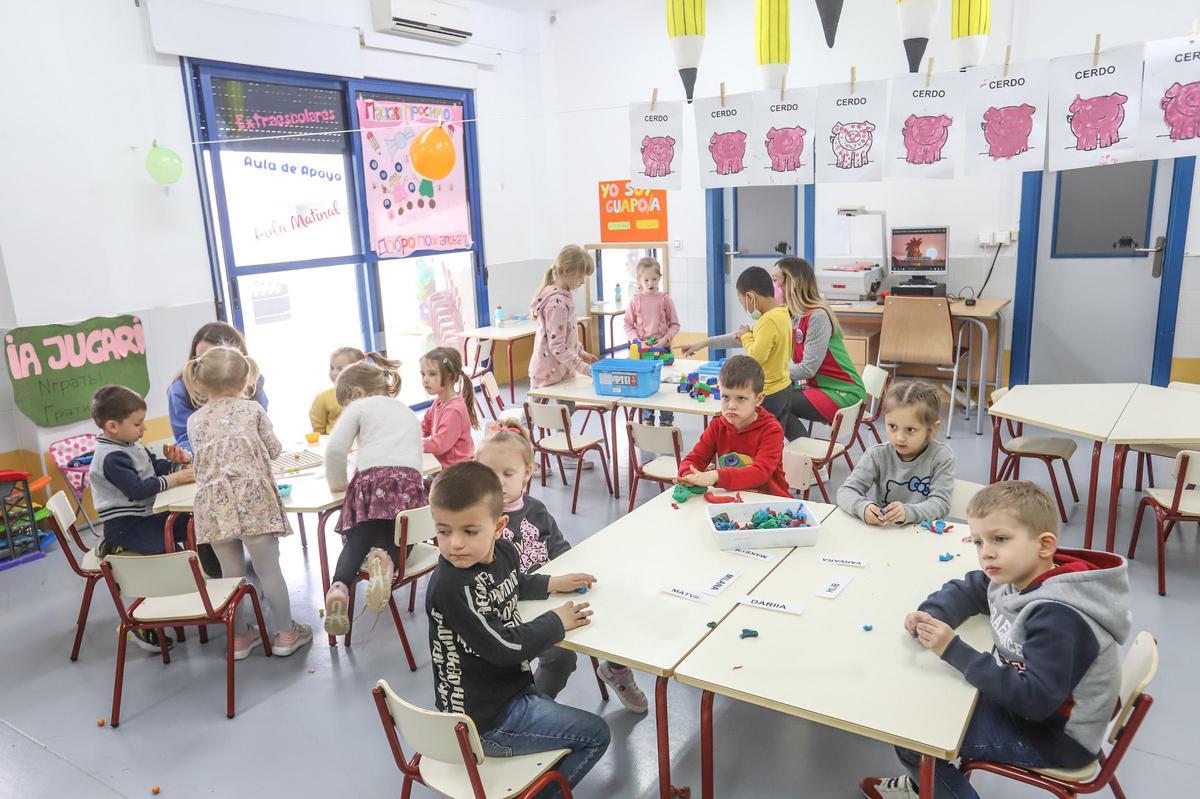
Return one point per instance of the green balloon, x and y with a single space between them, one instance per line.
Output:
164 165
426 189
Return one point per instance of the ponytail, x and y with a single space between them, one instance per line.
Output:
373 376
546 281
383 363
450 371
508 432
224 369
571 260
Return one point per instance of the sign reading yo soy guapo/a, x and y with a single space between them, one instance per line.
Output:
55 369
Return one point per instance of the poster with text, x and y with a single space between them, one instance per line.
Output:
56 369
1005 119
415 175
1170 100
1094 108
630 214
851 129
655 145
925 130
781 138
722 138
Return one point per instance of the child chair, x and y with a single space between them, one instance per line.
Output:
875 381
1146 451
411 525
1171 505
964 492
1139 668
823 452
798 472
449 757
1043 448
83 561
495 400
480 362
62 452
561 443
664 442
171 591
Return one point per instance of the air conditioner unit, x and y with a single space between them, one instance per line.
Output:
431 20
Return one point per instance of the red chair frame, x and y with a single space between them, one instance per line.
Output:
827 460
601 447
65 538
1165 520
1010 467
636 474
869 419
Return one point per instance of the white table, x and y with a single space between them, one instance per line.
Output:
636 623
668 398
508 333
823 666
1084 410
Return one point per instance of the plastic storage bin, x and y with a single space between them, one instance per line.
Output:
763 539
711 369
621 377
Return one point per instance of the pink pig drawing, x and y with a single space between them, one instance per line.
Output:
1006 130
785 146
1096 121
728 150
852 143
924 138
1181 110
657 154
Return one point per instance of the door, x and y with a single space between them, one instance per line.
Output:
763 222
1097 281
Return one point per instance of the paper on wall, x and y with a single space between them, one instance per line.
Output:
851 128
1006 119
655 145
1094 108
926 125
782 137
1170 123
722 139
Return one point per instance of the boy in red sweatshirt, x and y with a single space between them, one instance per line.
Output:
744 429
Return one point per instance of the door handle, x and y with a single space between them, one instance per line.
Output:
1159 249
729 253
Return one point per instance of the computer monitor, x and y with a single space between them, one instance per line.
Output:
919 251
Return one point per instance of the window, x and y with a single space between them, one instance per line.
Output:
1103 211
764 218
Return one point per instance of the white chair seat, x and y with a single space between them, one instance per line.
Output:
188 606
1162 450
557 442
1189 501
501 776
663 467
91 561
1033 445
1072 774
814 448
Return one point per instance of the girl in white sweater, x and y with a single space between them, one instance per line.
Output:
387 480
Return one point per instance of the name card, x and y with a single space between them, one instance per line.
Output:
721 583
835 586
690 596
770 604
754 554
831 560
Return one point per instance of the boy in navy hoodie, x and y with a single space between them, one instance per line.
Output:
1058 619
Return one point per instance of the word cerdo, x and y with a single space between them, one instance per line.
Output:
1096 72
929 93
1181 57
292 169
724 112
1007 83
656 118
852 101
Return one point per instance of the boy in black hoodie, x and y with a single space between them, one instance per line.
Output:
1058 619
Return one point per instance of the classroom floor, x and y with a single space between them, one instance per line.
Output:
307 725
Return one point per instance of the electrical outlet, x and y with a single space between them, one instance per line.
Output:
678 244
986 239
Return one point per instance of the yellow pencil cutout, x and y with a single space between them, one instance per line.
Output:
970 25
917 18
685 29
772 41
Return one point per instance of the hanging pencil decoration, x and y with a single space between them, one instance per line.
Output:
830 12
916 27
685 29
970 24
772 41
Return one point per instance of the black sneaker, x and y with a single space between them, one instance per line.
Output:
104 548
148 640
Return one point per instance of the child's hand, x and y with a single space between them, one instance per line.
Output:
184 475
688 350
588 357
894 513
934 635
574 614
913 619
176 454
569 583
708 478
873 515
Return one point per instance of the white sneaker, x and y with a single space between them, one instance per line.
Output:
379 581
581 463
627 690
889 788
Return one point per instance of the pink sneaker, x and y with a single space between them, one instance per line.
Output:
621 680
379 582
337 610
245 643
285 643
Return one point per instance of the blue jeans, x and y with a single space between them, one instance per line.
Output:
993 734
533 723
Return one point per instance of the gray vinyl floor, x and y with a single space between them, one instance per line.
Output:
306 725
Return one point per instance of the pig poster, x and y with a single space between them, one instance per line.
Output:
1170 100
655 145
723 140
782 138
851 129
1006 116
925 134
1095 108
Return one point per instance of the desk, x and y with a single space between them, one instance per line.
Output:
508 333
822 665
1085 410
985 311
636 623
611 310
1154 415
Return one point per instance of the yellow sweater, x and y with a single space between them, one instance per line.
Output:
324 412
770 343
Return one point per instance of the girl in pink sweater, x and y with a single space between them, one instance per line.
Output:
446 428
557 353
651 315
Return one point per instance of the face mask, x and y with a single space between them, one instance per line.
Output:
779 296
755 314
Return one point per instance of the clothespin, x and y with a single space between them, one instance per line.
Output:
929 74
722 94
653 98
853 78
1096 52
782 87
1007 59
1192 32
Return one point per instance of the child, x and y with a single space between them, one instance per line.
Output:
557 353
387 480
446 427
910 478
179 403
744 428
507 451
769 343
1058 618
651 314
479 645
325 409
237 502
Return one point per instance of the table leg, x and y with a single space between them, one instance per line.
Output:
1091 506
926 786
616 475
982 374
1118 477
706 745
512 378
323 517
665 789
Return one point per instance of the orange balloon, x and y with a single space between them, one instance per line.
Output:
432 153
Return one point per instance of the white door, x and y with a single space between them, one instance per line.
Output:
1094 315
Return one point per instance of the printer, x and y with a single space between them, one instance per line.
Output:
856 281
